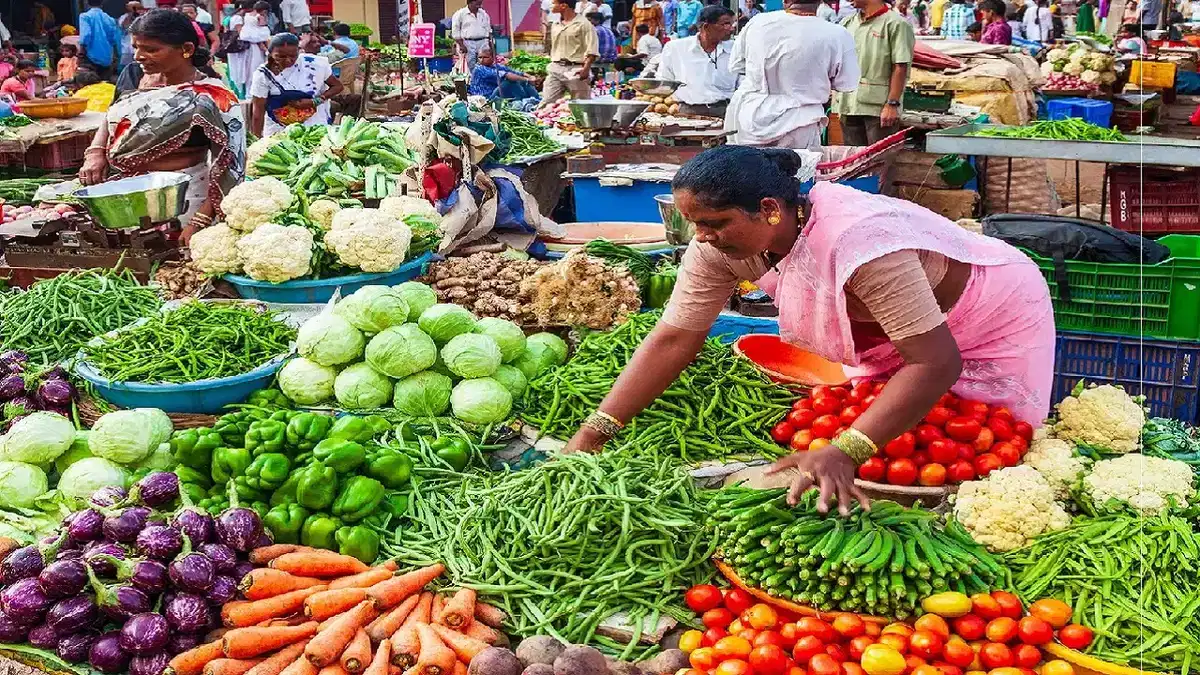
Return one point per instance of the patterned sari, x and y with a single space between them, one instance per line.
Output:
145 125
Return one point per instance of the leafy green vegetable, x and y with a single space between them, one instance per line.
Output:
481 401
306 382
425 394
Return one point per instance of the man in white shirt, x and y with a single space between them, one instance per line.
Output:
296 14
702 63
471 28
1038 21
648 43
604 8
5 36
202 16
845 10
826 12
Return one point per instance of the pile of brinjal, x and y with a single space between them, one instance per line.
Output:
130 581
23 391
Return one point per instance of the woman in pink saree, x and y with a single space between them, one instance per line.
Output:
881 285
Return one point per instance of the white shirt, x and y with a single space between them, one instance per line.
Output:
202 16
1039 23
605 9
845 9
649 45
548 11
295 12
5 36
788 65
467 26
583 8
308 74
707 77
826 13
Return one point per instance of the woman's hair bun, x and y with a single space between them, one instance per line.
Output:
787 161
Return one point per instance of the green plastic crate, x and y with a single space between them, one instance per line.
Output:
1184 247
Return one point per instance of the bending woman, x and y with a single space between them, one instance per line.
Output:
290 88
180 118
881 285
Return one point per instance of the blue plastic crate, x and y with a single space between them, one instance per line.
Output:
1089 110
863 183
1161 370
596 203
729 326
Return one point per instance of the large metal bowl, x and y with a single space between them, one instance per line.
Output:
653 87
679 230
133 202
607 113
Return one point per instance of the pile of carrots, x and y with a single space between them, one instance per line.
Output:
316 612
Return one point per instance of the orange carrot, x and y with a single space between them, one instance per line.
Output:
459 611
325 604
383 627
245 643
242 614
481 631
301 666
422 613
435 610
490 614
381 663
328 645
466 648
192 661
280 660
435 657
460 668
334 668
392 592
317 563
230 666
406 645
391 565
216 633
265 582
290 620
357 654
395 670
265 554
362 579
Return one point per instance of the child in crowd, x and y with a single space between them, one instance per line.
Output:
68 62
20 86
974 31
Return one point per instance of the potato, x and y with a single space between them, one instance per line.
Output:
657 99
538 669
662 108
576 660
671 100
539 649
666 663
673 109
495 661
623 668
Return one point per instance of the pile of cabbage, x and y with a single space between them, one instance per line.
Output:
396 346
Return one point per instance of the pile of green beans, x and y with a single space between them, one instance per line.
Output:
196 341
721 405
528 139
55 317
566 544
1070 129
1135 581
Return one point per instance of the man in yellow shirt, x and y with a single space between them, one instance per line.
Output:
936 11
573 48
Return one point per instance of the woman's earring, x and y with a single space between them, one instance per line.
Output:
774 219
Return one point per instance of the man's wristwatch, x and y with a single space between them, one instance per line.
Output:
893 102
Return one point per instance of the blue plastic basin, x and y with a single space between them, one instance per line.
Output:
204 397
321 290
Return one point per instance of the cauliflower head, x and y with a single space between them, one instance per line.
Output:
1073 68
259 148
1047 69
1078 55
1146 484
322 212
255 203
214 250
374 243
1090 76
1105 418
1056 55
1009 508
404 205
276 253
1055 459
1108 77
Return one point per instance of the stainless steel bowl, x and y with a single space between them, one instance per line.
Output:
607 113
653 87
132 202
679 230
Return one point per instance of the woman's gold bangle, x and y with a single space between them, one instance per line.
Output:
604 424
857 445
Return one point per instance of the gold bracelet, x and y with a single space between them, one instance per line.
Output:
603 424
857 445
202 220
610 418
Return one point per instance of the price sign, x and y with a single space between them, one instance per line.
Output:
420 41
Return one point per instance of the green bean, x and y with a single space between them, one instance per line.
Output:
1070 129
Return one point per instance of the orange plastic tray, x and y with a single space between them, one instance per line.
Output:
788 605
787 363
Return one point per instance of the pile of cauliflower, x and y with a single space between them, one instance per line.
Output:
1077 67
1103 418
1058 463
1147 485
1009 508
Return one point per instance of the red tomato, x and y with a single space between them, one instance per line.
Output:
807 647
1001 629
1002 413
970 626
943 451
1027 656
769 637
974 409
1007 453
801 439
947 669
927 434
801 419
803 404
926 669
901 472
825 426
965 429
1020 443
987 463
932 475
842 392
901 446
913 662
925 644
1054 612
733 647
948 400
787 632
960 471
858 645
939 416
958 653
733 667
712 635
1023 430
827 405
1075 636
985 606
849 414
738 601
920 458
702 597
747 634
995 655
811 625
934 624
895 641
1002 429
879 387
1010 605
860 391
852 668
849 625
703 659
768 660
868 400
1034 631
838 652
873 469
823 391
983 442
783 432
824 664
966 451
717 618
761 617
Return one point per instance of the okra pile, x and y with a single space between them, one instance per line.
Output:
879 562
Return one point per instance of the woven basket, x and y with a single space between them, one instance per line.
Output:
780 603
89 412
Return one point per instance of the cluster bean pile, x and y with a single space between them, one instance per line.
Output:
55 317
1071 129
528 139
197 341
564 545
1133 580
717 407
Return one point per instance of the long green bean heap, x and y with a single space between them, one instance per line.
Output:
720 406
197 341
564 545
1070 129
55 317
528 139
878 562
1133 580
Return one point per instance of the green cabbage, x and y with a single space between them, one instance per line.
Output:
372 309
20 484
536 359
442 322
426 394
401 351
471 355
160 425
552 342
507 335
38 439
161 459
481 401
418 296
79 450
87 475
512 379
306 382
124 436
361 386
329 340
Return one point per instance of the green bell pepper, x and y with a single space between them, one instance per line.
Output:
343 455
189 476
284 416
320 531
268 471
358 498
317 487
229 463
194 492
378 423
194 447
662 282
305 430
213 505
265 436
390 467
268 398
285 522
233 426
453 450
286 493
351 428
248 493
359 542
261 508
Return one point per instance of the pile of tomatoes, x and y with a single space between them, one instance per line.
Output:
959 440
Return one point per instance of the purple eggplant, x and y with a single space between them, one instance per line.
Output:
196 524
187 613
55 393
54 373
74 648
73 614
223 590
161 542
29 561
192 572
70 554
108 496
63 578
25 601
19 407
148 576
243 568
264 539
12 630
97 557
43 636
149 664
145 633
11 386
239 528
156 490
118 602
85 526
182 642
14 361
124 526
223 557
106 654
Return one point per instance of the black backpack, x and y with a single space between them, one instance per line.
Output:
1061 238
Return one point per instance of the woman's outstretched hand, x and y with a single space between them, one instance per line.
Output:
95 168
586 439
830 469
